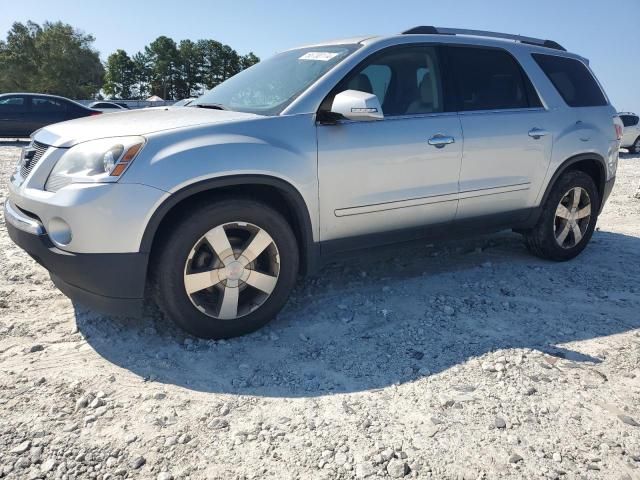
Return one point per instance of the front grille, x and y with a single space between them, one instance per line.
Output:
32 155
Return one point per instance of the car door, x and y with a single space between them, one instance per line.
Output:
13 115
47 110
383 176
507 133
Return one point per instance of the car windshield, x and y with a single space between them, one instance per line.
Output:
269 86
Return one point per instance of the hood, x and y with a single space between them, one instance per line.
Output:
134 122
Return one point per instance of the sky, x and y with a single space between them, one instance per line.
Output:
604 31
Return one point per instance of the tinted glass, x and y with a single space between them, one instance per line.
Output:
43 104
13 104
573 80
269 86
489 79
629 120
407 81
379 77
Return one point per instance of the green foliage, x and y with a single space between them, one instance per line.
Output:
120 78
52 58
56 58
163 56
184 70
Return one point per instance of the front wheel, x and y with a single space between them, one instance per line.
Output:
568 218
635 148
226 268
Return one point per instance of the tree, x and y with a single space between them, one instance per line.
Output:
220 62
248 60
230 62
163 56
142 76
52 58
120 77
190 60
211 66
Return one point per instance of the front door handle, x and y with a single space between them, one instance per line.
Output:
440 141
537 133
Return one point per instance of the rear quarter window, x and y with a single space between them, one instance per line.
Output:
572 79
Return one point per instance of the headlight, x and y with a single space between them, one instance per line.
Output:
97 161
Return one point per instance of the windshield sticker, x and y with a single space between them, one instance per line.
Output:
319 56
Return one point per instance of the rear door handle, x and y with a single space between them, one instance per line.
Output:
440 141
537 133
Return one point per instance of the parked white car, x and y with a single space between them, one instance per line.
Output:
631 135
107 107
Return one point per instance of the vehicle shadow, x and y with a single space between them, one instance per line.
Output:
395 315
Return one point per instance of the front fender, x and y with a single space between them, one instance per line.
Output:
283 147
278 151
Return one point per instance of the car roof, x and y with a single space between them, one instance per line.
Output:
46 95
628 113
489 39
32 94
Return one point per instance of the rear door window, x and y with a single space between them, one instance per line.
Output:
490 79
48 105
572 79
629 120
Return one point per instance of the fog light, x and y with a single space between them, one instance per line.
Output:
59 231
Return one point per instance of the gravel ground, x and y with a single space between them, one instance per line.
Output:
462 360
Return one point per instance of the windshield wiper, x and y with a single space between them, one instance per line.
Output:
212 106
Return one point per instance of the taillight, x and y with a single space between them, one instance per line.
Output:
95 113
619 126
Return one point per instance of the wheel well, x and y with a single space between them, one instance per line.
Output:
594 169
270 195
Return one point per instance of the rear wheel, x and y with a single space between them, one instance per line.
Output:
226 269
568 218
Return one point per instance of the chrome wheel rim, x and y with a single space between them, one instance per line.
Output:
572 219
232 270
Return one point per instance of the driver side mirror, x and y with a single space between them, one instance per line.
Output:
357 106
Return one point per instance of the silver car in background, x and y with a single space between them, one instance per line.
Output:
213 210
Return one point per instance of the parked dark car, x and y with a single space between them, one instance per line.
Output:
21 114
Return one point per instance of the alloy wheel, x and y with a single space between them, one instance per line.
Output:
232 270
572 218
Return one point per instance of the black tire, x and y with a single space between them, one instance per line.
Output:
635 148
541 240
169 261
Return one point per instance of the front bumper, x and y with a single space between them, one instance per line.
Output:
109 282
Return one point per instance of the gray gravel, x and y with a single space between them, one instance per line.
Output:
463 360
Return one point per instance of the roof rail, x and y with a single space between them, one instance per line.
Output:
430 30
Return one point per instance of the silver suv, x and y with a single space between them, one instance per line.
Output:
212 211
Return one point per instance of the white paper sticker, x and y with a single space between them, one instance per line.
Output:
318 56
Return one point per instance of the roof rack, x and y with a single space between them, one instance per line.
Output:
430 30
